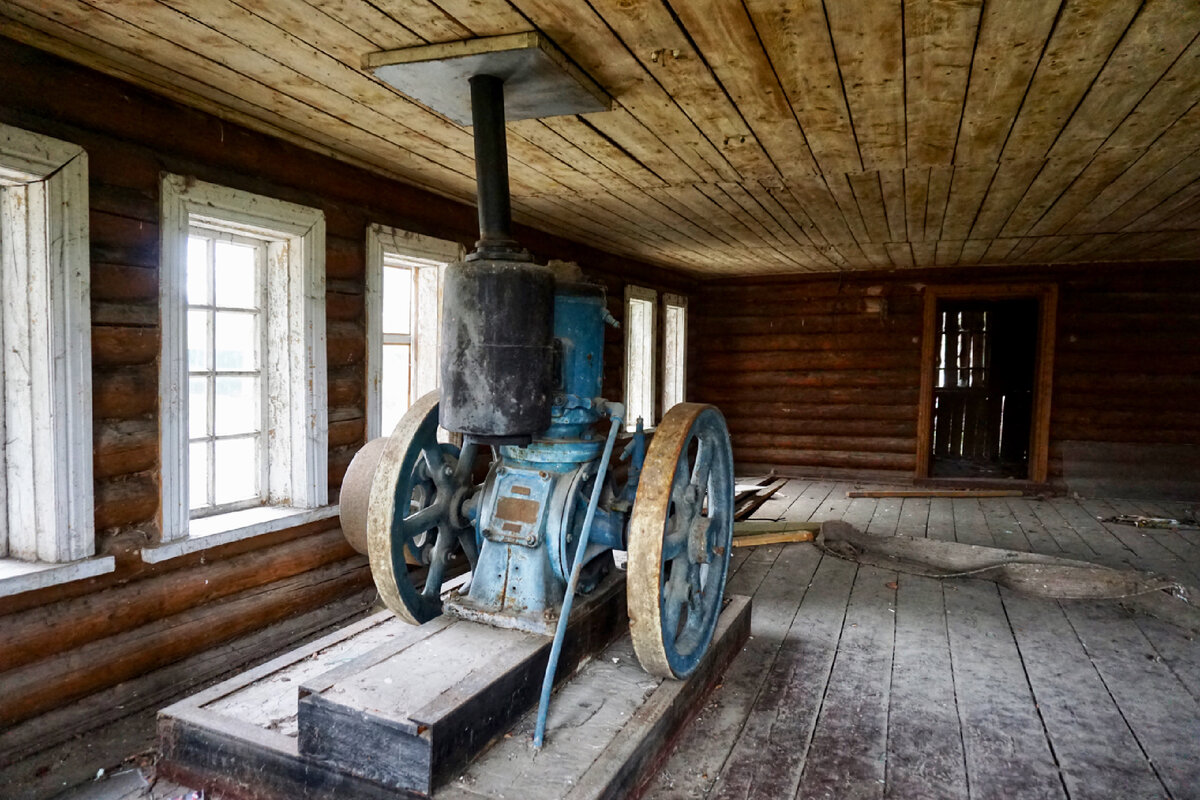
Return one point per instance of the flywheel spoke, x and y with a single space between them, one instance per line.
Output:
422 521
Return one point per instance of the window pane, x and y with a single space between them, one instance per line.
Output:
640 362
198 475
235 273
197 336
236 406
395 384
236 470
237 341
674 351
197 270
197 408
397 300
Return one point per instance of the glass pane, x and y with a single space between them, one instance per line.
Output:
236 406
197 270
397 300
237 341
197 336
395 384
198 475
236 470
235 272
197 408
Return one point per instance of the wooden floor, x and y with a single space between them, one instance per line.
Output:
863 683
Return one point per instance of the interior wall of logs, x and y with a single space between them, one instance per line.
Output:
91 638
820 376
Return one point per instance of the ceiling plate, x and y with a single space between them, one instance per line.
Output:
539 80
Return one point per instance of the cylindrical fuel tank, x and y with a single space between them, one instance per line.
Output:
497 346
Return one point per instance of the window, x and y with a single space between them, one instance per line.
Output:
46 504
640 304
674 350
404 291
243 416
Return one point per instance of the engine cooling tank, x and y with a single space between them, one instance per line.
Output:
497 346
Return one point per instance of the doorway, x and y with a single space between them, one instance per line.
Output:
983 391
987 358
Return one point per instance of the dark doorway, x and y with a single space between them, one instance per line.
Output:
983 388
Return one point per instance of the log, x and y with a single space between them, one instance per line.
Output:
346 345
343 307
125 501
853 395
132 202
119 346
821 427
347 433
812 360
834 341
48 630
346 386
800 322
768 411
345 259
123 447
824 458
125 392
121 240
865 444
851 378
122 283
50 683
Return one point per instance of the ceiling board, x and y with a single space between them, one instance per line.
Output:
754 136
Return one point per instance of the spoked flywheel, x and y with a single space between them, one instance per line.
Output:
680 534
415 513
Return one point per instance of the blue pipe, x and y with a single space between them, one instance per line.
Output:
616 412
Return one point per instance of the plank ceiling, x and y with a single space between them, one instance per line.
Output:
748 136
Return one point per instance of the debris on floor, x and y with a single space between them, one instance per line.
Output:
1139 521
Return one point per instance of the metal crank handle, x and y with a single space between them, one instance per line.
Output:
616 412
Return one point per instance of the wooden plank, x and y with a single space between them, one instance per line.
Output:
869 42
731 48
1007 750
797 41
1154 40
788 701
1096 751
783 537
939 41
924 741
1082 40
704 747
935 493
1153 702
1010 42
849 743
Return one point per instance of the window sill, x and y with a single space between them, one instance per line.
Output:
235 526
25 576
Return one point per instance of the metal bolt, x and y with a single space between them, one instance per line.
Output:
543 475
531 539
447 470
502 471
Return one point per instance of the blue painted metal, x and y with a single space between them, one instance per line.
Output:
531 511
617 411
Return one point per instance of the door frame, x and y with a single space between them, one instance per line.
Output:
1039 436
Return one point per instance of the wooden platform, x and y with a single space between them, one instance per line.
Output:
382 709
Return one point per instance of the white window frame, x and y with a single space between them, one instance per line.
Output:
651 297
674 388
299 433
421 252
47 529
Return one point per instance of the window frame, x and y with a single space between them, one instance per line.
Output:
297 448
674 301
424 252
650 296
55 386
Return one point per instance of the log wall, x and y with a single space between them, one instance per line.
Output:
64 643
820 376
